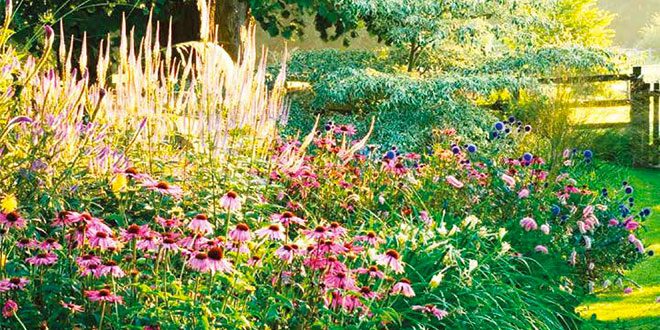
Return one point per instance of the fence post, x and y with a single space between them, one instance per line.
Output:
639 117
655 148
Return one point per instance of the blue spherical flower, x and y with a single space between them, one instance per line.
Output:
471 148
555 210
390 154
588 153
494 134
646 211
528 128
507 130
512 119
564 218
528 157
629 190
456 149
499 125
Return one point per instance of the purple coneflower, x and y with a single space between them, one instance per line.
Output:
273 232
14 283
241 233
200 224
103 295
528 224
9 309
390 259
287 218
404 288
230 201
12 220
42 259
431 310
163 188
216 261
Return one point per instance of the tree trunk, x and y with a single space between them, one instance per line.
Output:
227 17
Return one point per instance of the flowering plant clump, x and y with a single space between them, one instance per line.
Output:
110 219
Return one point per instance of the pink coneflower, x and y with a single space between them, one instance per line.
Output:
14 283
133 232
528 224
348 130
371 238
395 166
431 310
273 232
373 271
403 288
318 233
50 244
201 224
509 180
424 216
216 261
639 245
452 180
169 223
88 259
163 188
613 222
193 241
9 309
287 218
27 243
545 228
169 242
91 269
230 201
632 225
627 290
101 239
111 267
367 293
255 261
340 280
241 233
62 219
149 242
286 253
351 303
390 259
12 220
199 262
541 248
42 259
523 193
330 246
103 295
73 308
337 230
133 173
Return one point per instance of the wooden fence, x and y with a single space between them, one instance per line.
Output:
643 100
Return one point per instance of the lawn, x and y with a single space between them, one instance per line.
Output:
638 310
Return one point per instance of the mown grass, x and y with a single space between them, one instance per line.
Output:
638 310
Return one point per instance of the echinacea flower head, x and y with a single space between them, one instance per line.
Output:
318 233
541 249
42 259
340 280
216 261
133 232
103 295
454 182
370 238
199 262
287 218
200 224
14 283
240 233
431 310
9 309
163 188
273 232
12 220
73 308
403 288
230 201
390 259
528 224
110 267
